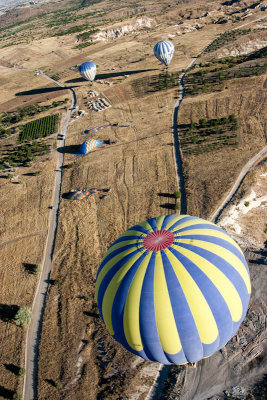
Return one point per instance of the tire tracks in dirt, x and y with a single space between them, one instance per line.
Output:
17 239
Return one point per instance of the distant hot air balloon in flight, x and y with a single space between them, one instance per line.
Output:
173 289
88 146
164 50
88 70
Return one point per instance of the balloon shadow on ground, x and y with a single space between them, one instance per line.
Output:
42 90
73 149
8 312
112 75
67 195
77 80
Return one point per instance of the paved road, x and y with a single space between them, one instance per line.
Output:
34 331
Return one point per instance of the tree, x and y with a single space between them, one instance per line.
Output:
58 385
37 269
17 396
202 122
22 371
23 316
232 118
177 194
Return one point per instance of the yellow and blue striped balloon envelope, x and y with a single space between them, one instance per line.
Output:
173 289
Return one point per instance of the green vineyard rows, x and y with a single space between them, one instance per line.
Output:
39 128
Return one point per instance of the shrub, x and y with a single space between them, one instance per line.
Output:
37 269
22 371
17 396
68 166
177 206
246 203
58 385
202 122
10 176
23 316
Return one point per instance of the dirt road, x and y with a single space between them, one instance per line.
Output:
34 331
177 154
216 214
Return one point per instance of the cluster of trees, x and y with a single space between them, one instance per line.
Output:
166 81
229 62
6 132
206 80
73 29
38 128
208 135
226 38
68 17
87 34
10 118
155 83
84 44
24 154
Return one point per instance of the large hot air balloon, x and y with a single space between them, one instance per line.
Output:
88 70
88 146
164 50
173 289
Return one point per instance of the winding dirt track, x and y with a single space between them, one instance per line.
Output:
216 214
38 306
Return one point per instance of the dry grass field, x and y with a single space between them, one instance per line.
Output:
24 221
77 358
209 175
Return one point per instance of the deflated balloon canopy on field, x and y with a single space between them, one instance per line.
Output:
88 146
173 289
80 194
88 70
164 51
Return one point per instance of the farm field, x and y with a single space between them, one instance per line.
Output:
77 357
39 128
